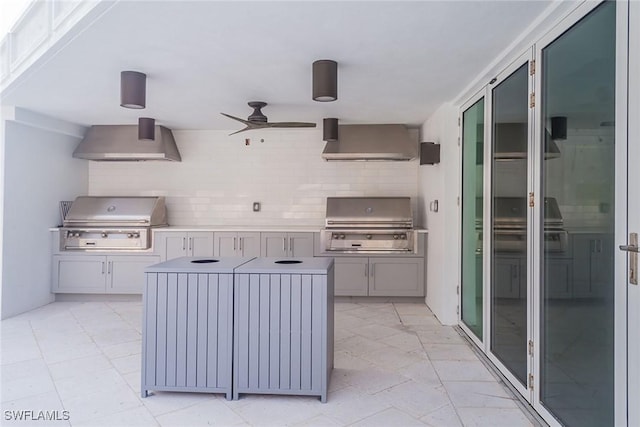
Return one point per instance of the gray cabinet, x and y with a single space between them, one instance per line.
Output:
236 244
558 280
99 274
592 264
379 276
187 334
283 327
509 277
174 244
287 244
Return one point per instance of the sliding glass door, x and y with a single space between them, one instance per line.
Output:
578 221
544 209
472 214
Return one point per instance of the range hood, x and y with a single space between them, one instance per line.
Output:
372 142
511 142
120 142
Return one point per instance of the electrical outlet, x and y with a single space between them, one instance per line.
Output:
256 206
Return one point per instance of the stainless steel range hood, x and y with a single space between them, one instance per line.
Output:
372 142
120 142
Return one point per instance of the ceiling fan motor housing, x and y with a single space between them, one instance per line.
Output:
257 115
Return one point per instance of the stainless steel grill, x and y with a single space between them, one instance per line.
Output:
510 226
369 225
112 223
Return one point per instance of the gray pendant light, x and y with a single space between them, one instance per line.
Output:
146 128
325 80
330 129
133 89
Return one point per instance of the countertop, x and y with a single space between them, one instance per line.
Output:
245 228
305 265
195 265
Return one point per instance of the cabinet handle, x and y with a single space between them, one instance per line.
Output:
284 245
373 270
190 243
240 246
291 245
184 243
366 270
102 267
109 267
234 243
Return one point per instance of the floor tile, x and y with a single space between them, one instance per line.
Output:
493 417
464 370
390 362
389 417
136 417
445 416
485 394
450 352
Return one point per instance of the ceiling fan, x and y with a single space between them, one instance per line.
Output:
257 120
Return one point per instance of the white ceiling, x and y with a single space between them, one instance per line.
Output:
397 61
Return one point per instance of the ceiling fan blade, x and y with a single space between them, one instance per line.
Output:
246 122
291 125
241 130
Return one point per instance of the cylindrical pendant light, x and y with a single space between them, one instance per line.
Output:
330 129
325 80
559 127
133 89
146 128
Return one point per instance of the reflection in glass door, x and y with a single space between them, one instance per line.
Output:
472 211
509 174
577 224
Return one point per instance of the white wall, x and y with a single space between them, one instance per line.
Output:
38 173
441 182
219 178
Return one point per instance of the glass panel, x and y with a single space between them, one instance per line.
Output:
472 199
509 222
578 95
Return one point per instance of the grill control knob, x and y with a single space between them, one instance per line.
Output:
368 236
129 235
342 236
403 237
396 237
104 235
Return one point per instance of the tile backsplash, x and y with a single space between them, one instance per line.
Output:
220 176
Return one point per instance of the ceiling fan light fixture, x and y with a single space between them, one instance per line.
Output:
133 89
325 80
146 129
330 129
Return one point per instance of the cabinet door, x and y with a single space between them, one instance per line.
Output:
225 244
274 245
300 244
559 277
506 280
351 276
79 274
170 244
249 244
125 273
396 277
200 244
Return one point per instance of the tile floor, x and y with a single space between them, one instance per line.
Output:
395 365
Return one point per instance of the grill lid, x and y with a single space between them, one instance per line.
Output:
117 211
369 212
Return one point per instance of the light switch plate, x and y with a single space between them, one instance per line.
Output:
256 206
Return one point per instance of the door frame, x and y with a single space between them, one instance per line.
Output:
631 373
524 58
620 333
482 93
